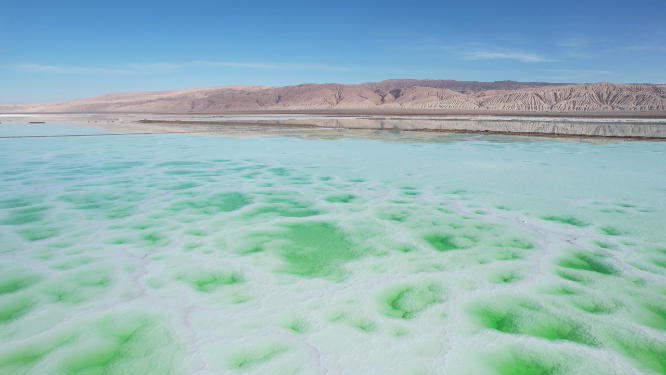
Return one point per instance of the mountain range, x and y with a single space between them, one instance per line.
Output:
390 94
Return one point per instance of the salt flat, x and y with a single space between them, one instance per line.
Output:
587 127
312 251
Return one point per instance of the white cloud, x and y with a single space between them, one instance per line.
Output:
122 69
646 47
483 51
263 65
153 68
36 68
580 48
570 75
520 56
578 71
159 68
573 43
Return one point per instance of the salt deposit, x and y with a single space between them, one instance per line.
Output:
363 253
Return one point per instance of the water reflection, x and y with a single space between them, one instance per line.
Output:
601 129
402 130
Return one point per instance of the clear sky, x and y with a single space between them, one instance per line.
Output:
60 50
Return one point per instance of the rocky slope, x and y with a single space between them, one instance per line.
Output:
415 94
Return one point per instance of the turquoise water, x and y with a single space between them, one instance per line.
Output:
352 253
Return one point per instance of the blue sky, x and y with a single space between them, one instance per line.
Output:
60 50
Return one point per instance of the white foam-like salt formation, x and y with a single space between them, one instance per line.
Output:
186 254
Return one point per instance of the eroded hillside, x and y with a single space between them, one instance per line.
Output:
414 94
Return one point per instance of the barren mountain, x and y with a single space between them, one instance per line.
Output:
395 86
405 93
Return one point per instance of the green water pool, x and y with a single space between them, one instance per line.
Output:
330 253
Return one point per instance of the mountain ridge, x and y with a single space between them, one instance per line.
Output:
390 94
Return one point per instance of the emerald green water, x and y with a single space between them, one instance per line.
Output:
320 252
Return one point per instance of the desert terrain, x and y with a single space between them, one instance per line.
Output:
390 97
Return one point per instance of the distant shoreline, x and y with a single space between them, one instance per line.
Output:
611 127
357 112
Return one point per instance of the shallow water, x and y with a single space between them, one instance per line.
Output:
359 253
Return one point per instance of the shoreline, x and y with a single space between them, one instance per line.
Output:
630 128
286 127
354 112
